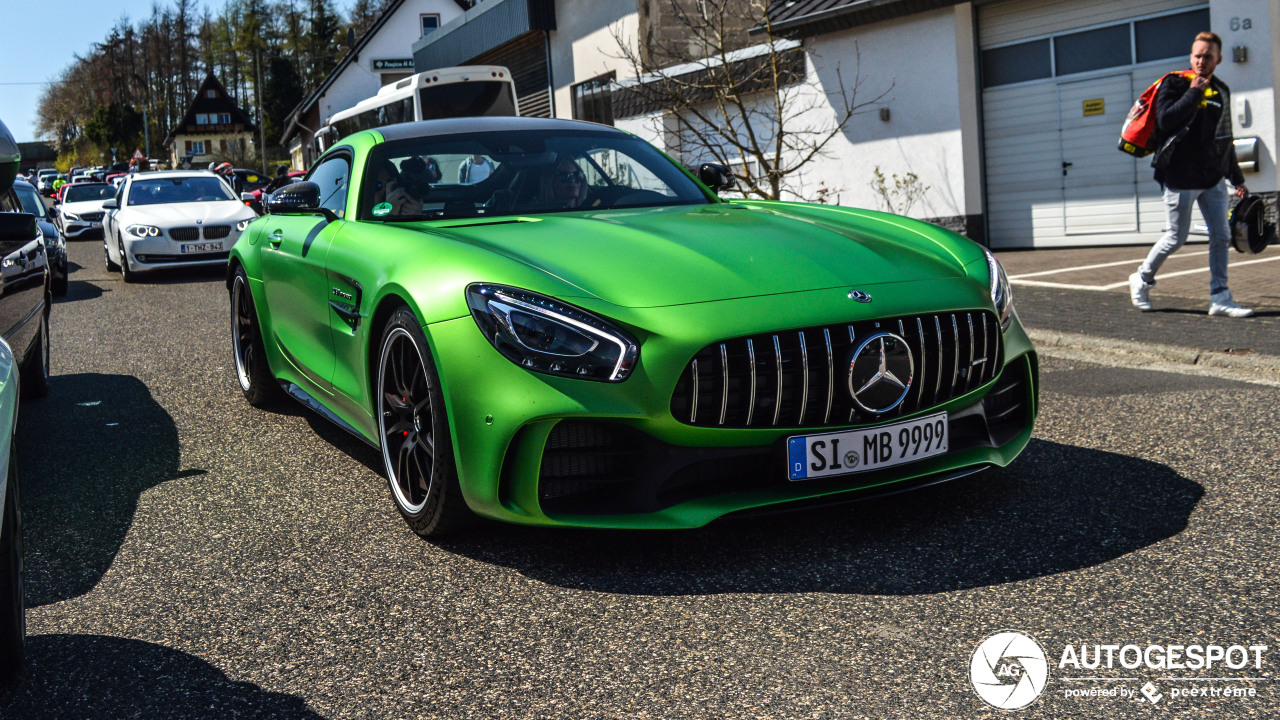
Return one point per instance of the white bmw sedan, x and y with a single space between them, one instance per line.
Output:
172 219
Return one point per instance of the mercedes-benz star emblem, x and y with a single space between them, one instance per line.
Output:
860 296
880 373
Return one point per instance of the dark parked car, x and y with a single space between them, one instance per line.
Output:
54 245
24 364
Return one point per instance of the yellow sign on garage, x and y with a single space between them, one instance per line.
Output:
1096 106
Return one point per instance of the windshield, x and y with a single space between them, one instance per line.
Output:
31 202
159 191
88 193
519 173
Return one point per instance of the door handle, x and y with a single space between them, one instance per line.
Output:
275 239
1065 165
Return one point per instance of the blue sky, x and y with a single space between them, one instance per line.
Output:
44 38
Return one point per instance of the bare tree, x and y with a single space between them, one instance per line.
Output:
742 101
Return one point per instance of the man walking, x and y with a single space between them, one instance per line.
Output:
1192 167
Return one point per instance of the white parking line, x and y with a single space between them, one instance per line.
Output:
1113 286
1021 279
1095 267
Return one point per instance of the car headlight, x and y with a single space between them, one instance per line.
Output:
1001 293
143 231
240 226
70 216
548 336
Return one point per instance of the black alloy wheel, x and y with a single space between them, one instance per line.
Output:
256 382
13 616
417 449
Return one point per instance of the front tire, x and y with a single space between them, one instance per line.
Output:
13 615
34 371
111 266
127 274
59 283
413 431
256 382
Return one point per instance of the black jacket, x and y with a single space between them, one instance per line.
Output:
1204 154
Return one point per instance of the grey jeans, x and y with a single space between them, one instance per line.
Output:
1177 208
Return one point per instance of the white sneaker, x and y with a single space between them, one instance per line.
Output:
1220 303
1140 292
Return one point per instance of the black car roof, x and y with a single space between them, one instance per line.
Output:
470 125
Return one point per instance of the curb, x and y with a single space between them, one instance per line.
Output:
1130 352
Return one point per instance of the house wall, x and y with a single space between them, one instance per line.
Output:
394 40
213 147
583 45
912 65
921 69
1252 82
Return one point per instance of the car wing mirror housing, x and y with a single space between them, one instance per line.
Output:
110 204
716 176
302 198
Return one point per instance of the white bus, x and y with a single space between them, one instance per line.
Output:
464 91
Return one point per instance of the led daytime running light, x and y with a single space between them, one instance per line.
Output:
1001 292
143 231
614 351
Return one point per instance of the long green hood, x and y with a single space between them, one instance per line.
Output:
672 256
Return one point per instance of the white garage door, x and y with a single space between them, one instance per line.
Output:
1059 78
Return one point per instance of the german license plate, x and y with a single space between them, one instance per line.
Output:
201 247
854 451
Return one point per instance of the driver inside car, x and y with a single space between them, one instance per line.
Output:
569 188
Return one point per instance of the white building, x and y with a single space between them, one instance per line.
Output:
381 57
1008 111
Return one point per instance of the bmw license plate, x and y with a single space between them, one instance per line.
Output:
854 451
201 247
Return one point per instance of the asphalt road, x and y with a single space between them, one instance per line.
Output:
192 557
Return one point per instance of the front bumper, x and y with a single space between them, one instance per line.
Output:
540 450
148 254
77 229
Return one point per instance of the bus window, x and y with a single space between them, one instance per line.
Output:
469 99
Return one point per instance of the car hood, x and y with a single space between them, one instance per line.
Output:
656 257
48 229
176 214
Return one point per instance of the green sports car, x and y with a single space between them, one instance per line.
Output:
589 336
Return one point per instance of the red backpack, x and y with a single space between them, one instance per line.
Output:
1138 136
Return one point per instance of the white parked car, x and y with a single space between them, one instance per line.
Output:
172 219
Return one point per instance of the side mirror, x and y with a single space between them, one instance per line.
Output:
247 197
110 204
716 176
297 199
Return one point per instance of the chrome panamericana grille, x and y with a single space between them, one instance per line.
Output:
799 378
185 233
216 232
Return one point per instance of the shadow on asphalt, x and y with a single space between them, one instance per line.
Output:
182 276
1058 508
86 453
79 290
96 676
